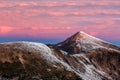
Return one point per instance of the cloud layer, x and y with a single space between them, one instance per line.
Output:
59 18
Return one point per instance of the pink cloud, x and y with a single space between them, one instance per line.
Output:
59 19
105 3
75 13
5 30
56 4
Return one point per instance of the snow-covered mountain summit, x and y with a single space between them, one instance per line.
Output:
82 42
37 61
82 35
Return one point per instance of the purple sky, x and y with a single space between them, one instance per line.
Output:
58 19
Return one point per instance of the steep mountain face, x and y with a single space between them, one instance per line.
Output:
107 61
83 43
99 64
80 57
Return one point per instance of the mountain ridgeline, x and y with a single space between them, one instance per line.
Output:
79 57
82 42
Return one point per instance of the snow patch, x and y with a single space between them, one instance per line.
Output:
63 52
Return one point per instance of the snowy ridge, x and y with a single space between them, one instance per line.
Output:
92 37
85 35
32 46
43 49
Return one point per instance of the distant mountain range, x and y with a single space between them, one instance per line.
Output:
80 57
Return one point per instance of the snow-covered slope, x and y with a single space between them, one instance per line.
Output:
98 64
39 48
34 47
63 61
82 42
30 59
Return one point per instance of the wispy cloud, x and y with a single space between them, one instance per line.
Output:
59 18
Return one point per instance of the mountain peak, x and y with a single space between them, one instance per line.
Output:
83 42
81 32
81 35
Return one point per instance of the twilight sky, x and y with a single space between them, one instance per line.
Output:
54 20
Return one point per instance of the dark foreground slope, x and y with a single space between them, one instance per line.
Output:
31 61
